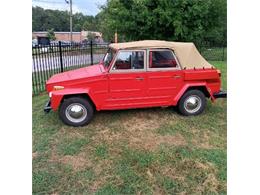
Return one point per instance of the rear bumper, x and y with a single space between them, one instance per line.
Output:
47 107
220 94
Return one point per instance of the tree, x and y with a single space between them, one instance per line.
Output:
199 21
44 19
179 20
91 36
51 34
77 28
90 24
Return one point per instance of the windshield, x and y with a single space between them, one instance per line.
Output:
108 57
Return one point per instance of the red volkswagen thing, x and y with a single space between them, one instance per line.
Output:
136 75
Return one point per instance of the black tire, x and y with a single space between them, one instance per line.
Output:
85 107
200 103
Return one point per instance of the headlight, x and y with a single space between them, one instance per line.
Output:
50 94
58 87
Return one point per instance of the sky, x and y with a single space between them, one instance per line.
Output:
87 7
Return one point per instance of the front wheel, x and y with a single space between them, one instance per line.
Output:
76 111
193 102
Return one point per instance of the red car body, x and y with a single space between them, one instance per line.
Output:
123 91
108 90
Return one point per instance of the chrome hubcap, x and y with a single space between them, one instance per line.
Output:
192 104
76 112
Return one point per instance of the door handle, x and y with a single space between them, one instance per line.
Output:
139 78
176 76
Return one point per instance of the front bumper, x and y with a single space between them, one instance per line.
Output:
220 94
47 107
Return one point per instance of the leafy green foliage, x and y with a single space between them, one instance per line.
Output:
180 20
89 24
44 19
200 21
50 34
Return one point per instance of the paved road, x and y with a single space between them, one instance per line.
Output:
53 62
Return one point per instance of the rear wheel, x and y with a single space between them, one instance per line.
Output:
76 111
193 102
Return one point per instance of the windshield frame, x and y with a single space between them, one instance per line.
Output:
109 51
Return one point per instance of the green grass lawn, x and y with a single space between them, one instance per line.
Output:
142 151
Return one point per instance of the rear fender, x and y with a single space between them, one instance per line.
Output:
58 95
187 86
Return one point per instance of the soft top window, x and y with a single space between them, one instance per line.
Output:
162 59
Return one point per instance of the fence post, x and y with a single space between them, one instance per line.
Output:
91 52
60 51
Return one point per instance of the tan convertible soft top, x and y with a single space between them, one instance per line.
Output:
187 53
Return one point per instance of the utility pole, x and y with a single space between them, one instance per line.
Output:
115 36
70 2
71 21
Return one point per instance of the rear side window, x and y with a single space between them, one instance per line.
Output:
129 60
162 59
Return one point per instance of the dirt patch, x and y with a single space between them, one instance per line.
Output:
151 141
34 155
107 135
103 173
138 133
97 184
141 123
205 166
157 190
102 165
77 162
203 141
139 136
80 161
172 173
210 184
70 132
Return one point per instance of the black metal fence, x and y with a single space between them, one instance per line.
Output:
56 58
60 57
214 53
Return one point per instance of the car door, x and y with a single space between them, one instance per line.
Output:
127 82
164 76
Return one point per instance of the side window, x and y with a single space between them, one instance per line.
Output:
129 60
162 59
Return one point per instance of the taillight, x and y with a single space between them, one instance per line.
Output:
219 72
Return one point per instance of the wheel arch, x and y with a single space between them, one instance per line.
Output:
81 95
203 89
59 96
198 86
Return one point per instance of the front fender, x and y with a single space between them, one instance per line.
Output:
59 94
186 86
